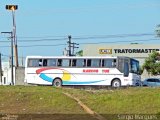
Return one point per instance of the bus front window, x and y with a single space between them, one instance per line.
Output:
134 66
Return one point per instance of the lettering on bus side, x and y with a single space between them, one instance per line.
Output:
105 71
90 70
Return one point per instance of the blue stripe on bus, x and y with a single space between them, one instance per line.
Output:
79 83
45 77
48 79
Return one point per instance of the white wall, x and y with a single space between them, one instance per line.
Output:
6 78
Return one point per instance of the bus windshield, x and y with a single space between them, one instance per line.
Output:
134 66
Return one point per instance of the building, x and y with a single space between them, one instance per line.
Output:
6 74
18 75
137 51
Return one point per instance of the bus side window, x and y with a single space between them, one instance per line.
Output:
66 63
114 63
51 62
84 62
33 63
59 63
74 62
45 62
110 63
30 63
95 62
40 62
36 63
80 62
89 63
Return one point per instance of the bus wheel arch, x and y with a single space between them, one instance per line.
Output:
116 82
57 82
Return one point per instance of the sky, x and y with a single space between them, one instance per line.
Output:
43 26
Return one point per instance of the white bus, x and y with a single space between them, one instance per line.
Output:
58 71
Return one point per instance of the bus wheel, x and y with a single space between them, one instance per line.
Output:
116 83
57 82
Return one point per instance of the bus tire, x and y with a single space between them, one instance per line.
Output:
57 82
116 83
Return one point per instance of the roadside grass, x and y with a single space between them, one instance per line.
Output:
36 100
50 100
136 100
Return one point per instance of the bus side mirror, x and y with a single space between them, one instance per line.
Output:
126 69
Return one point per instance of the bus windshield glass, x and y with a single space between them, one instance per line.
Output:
134 66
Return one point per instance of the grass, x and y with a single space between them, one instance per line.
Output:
50 100
121 101
41 100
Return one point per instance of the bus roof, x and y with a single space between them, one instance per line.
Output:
70 57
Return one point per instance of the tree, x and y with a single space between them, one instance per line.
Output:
79 53
152 63
141 69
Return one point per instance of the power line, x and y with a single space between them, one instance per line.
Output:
43 45
38 40
120 41
134 34
41 36
83 37
8 56
34 37
38 45
114 36
50 45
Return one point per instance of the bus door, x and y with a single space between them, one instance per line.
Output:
123 65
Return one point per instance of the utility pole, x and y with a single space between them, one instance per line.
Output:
69 44
13 8
74 48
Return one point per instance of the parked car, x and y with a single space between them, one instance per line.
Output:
151 82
